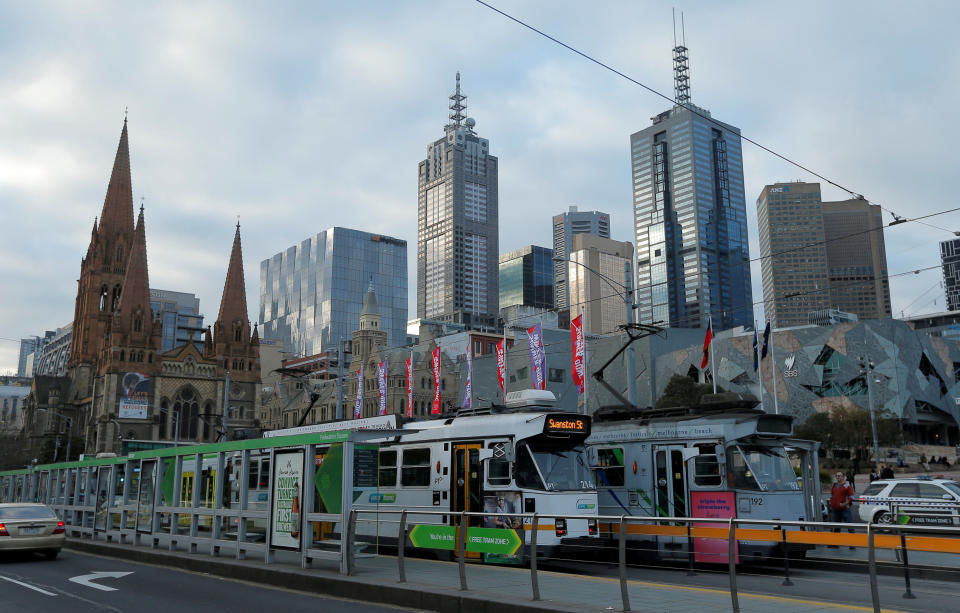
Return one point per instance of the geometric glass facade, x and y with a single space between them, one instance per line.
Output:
312 293
526 277
179 313
690 222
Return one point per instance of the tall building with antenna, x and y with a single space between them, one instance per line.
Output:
457 230
690 215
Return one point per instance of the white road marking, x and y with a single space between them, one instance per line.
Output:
27 585
88 580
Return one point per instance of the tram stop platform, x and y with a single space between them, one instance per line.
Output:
434 585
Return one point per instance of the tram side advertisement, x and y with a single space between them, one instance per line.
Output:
285 501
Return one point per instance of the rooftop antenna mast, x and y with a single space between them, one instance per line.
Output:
458 104
681 63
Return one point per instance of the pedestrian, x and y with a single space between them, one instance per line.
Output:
887 472
856 463
841 501
900 461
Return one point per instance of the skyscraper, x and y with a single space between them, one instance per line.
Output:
690 217
311 293
794 264
565 226
526 277
601 301
856 258
950 257
457 230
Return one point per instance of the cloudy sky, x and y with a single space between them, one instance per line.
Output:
301 116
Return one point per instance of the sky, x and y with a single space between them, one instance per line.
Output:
301 116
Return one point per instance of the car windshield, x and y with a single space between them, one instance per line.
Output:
873 489
26 512
953 486
757 467
560 468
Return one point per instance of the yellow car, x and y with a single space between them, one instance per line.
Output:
31 527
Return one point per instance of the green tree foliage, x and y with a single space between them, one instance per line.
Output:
683 391
850 428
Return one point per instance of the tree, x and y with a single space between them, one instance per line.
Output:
683 391
850 428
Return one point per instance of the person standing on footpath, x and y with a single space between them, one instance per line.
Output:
841 500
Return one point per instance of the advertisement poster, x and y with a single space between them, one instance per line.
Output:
145 497
287 493
576 340
718 505
504 502
134 396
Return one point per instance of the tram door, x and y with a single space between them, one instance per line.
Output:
465 486
671 490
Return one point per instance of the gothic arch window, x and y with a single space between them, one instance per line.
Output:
149 358
208 412
115 298
238 334
103 298
185 405
137 324
164 416
121 355
120 254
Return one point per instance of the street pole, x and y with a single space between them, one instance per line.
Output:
226 405
339 378
631 358
868 368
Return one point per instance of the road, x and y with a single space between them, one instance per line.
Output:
31 584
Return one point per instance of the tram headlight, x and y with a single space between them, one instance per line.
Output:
591 527
561 527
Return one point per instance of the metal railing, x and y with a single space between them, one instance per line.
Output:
734 531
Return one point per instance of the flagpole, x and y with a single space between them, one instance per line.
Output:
773 370
586 366
713 364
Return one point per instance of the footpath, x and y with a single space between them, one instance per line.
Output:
434 585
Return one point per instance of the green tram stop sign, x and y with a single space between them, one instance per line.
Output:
502 541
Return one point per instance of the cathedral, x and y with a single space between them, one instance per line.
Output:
120 386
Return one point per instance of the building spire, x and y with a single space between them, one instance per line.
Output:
458 104
117 214
233 304
681 63
135 295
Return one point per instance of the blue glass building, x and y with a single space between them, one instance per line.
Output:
311 294
526 278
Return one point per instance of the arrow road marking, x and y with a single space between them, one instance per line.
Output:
88 580
27 585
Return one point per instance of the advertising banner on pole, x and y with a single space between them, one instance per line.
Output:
382 386
538 358
435 363
500 364
409 371
285 500
468 391
135 396
576 340
358 407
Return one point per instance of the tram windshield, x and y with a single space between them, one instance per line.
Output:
761 468
541 465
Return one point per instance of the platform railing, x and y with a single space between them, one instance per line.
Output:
901 538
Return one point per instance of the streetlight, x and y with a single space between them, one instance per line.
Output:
630 307
69 427
119 435
866 368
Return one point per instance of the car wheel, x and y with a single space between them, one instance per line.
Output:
52 554
883 517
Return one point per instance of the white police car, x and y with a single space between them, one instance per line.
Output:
923 500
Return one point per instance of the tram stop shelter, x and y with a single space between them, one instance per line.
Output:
253 496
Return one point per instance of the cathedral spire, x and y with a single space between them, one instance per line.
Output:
117 214
233 304
133 312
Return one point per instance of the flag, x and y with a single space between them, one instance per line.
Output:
435 360
576 340
766 341
501 365
382 385
468 392
357 407
756 363
409 371
707 339
538 358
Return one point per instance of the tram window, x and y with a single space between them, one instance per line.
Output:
706 466
253 479
388 469
609 467
498 467
264 474
415 471
759 467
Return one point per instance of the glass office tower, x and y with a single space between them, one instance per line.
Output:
565 226
179 312
312 293
526 277
690 222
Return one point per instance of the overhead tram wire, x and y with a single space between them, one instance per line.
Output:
915 300
695 111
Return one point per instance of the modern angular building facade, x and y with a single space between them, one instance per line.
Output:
180 316
526 278
690 219
311 294
950 257
794 264
457 229
565 226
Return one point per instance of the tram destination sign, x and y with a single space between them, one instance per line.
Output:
566 424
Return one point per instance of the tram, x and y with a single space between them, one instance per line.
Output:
523 457
722 458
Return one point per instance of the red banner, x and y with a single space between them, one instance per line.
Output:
435 359
576 340
501 359
409 371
